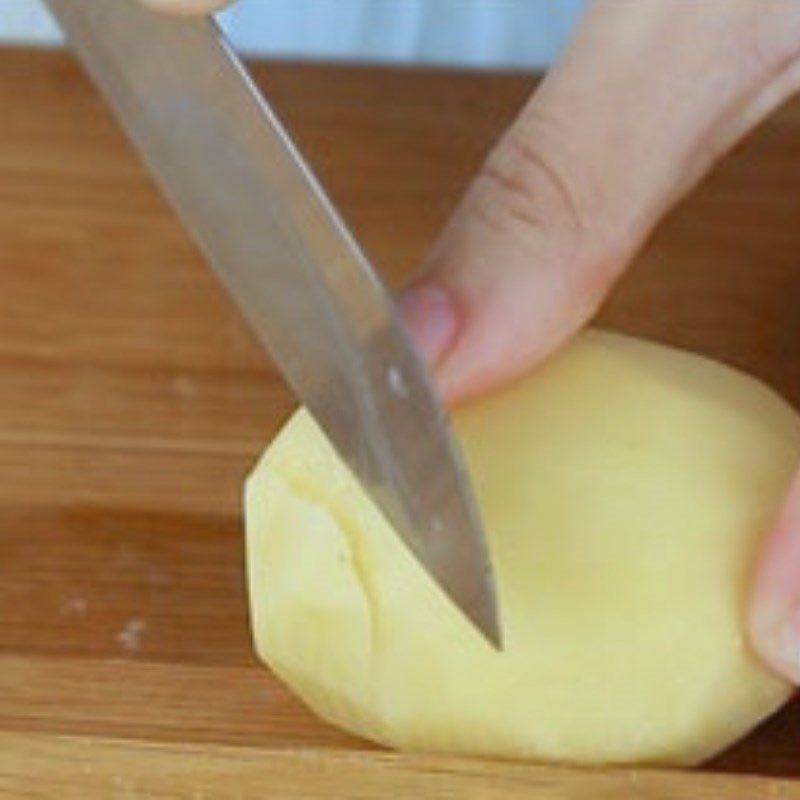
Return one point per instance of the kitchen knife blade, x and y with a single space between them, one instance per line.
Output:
256 211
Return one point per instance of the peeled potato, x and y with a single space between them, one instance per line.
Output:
625 487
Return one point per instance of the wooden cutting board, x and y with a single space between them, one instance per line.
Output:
132 403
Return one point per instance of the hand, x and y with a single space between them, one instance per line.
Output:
646 98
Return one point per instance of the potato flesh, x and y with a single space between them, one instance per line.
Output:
625 487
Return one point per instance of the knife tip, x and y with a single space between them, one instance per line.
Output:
485 617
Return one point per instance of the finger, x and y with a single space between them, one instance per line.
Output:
186 6
774 619
642 103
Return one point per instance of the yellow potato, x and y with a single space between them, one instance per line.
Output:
625 487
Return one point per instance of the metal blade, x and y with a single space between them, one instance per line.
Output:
275 241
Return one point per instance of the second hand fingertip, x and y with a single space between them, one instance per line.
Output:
774 614
778 644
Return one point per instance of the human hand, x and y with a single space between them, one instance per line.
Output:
646 98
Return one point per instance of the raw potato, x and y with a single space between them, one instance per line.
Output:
625 487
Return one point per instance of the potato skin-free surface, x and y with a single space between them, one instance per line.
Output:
625 487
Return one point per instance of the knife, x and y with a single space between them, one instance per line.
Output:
263 222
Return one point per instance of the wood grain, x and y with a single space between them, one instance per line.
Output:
161 702
133 401
88 767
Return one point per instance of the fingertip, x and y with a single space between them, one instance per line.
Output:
774 612
508 325
429 311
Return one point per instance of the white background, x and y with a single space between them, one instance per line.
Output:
481 33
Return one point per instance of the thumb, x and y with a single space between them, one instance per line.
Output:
619 130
